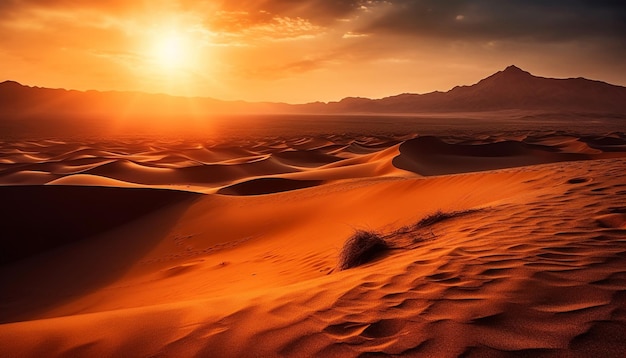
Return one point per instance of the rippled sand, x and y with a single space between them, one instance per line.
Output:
183 248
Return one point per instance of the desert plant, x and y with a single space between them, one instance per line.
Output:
439 216
362 247
433 218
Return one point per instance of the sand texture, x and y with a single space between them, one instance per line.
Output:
166 248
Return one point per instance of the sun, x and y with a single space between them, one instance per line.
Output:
171 50
173 57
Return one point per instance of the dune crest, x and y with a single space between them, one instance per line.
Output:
300 161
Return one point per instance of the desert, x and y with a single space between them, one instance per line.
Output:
355 178
182 248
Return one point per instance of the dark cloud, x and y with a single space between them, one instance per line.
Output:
560 20
496 19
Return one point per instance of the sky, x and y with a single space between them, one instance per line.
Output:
300 51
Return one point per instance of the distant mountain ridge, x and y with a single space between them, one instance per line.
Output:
24 101
512 88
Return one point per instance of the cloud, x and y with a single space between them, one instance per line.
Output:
14 8
321 12
353 35
244 26
242 45
551 20
559 20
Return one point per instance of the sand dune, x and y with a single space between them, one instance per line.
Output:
267 186
91 180
40 218
432 156
209 167
243 260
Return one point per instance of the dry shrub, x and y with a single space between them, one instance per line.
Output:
439 216
360 248
365 246
433 218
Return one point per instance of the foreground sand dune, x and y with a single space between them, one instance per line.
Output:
536 268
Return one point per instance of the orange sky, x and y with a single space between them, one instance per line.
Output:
303 50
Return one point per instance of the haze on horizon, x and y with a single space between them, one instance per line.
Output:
305 50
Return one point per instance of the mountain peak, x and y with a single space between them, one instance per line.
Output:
10 83
509 76
515 71
513 68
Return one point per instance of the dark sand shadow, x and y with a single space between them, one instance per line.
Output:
44 223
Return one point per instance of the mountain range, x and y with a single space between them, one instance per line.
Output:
512 88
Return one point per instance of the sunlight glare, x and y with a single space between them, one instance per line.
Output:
171 50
